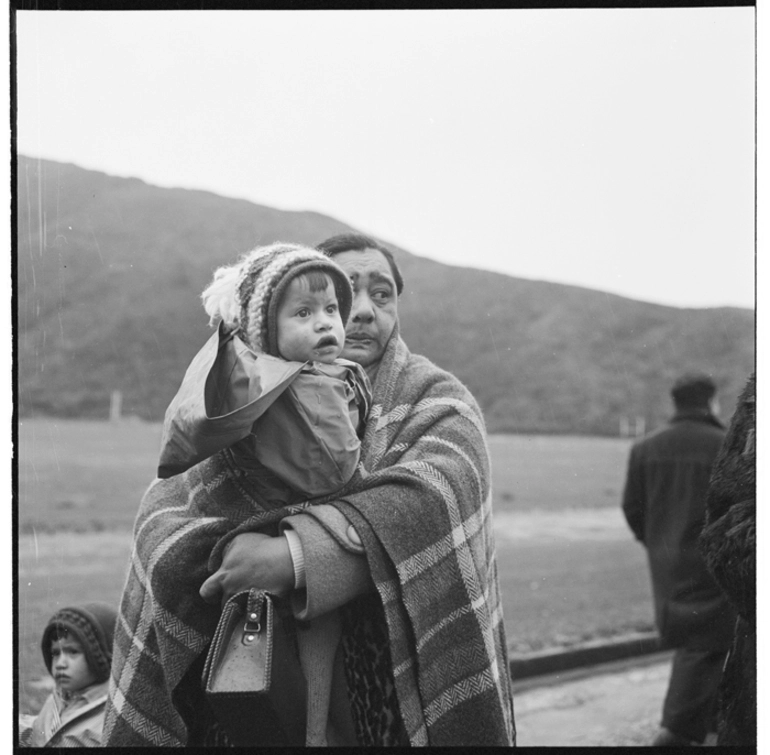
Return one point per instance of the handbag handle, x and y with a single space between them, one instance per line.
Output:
254 607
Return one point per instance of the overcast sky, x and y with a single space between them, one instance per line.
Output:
612 149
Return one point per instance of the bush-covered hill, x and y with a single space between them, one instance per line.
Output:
109 272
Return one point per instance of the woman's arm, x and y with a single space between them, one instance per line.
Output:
336 570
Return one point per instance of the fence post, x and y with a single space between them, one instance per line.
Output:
116 403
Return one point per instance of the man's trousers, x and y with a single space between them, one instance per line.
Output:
690 706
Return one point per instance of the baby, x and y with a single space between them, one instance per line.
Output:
77 650
270 390
269 385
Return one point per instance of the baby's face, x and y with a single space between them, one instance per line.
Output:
309 323
69 666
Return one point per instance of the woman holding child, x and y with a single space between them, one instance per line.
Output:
391 566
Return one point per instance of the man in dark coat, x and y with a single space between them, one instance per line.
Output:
664 504
728 544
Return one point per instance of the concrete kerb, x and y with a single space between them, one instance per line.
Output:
594 653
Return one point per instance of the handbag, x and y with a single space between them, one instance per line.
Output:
252 676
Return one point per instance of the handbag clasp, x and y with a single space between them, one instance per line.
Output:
252 627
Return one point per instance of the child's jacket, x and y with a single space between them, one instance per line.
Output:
296 424
74 723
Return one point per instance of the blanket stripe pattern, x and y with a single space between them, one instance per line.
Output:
421 503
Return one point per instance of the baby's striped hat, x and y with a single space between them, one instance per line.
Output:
265 274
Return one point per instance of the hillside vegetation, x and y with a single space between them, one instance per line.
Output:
109 272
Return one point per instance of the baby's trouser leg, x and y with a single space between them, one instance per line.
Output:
318 643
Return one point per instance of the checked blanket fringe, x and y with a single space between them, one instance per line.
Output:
420 501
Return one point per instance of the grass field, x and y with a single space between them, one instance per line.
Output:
84 476
569 570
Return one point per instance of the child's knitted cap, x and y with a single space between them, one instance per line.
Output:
265 274
93 626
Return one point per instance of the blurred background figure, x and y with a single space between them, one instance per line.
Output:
728 544
664 505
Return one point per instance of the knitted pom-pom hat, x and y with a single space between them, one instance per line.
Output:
264 277
93 626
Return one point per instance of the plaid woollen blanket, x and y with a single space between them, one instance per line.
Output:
421 503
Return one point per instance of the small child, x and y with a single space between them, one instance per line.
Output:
77 649
270 388
269 385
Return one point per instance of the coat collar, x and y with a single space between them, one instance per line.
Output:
696 415
86 696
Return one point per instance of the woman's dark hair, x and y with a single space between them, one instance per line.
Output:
357 242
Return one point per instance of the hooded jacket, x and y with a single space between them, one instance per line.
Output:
76 722
292 425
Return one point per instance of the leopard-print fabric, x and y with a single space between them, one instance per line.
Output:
369 675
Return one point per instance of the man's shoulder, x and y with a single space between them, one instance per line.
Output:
698 428
678 436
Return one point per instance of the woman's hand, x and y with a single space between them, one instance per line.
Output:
251 560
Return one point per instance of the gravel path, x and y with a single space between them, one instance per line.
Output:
615 708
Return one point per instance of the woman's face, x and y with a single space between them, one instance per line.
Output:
375 305
309 323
